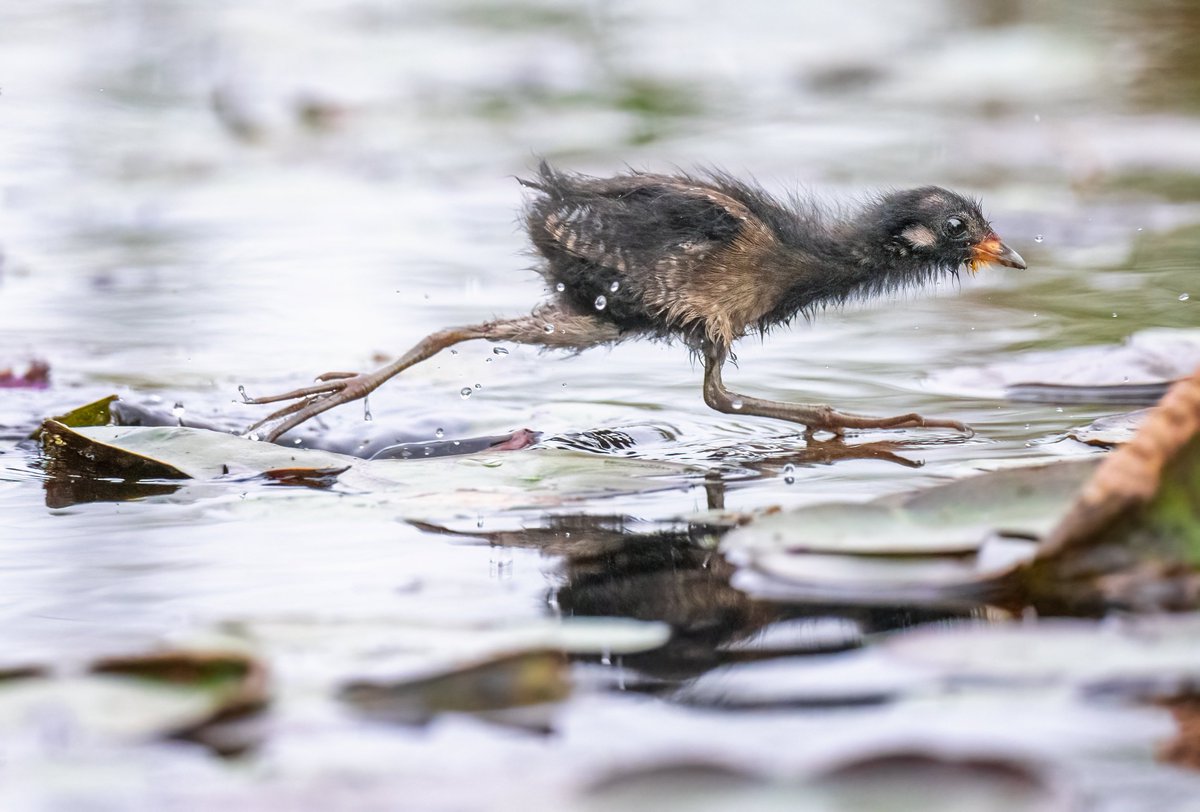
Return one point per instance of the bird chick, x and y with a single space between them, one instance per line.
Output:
704 259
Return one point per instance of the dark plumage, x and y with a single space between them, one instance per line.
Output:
706 259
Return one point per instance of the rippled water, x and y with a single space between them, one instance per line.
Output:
196 198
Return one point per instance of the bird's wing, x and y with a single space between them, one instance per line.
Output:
633 223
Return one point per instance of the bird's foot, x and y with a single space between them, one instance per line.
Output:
333 389
837 423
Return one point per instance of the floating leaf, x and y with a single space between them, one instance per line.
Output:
1138 371
1155 656
955 518
1108 432
434 486
1132 535
947 541
508 681
170 693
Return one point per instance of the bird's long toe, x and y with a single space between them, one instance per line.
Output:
327 386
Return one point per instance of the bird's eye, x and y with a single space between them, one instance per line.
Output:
955 227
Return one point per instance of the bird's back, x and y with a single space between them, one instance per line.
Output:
670 255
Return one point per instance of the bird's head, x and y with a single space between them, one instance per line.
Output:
938 227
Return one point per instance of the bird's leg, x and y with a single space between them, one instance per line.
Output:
815 417
546 327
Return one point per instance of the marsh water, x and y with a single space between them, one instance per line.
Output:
197 197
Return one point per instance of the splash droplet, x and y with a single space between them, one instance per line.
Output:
440 433
789 471
478 386
1183 297
465 392
601 302
1039 238
614 287
1114 315
242 392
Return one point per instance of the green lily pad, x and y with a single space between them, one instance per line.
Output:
427 488
138 697
951 519
510 681
1155 656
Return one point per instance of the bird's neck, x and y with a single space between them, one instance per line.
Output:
855 259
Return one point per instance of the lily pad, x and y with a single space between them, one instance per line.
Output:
496 480
1146 657
1108 432
1132 536
951 519
131 698
1137 371
509 681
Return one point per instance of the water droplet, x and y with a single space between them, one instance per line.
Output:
487 360
1039 238
242 392
614 287
499 351
178 410
1139 229
428 451
549 328
465 392
299 440
788 471
454 352
253 436
737 404
440 433
1059 410
478 386
1114 315
1183 297
367 410
560 287
601 302
1027 427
